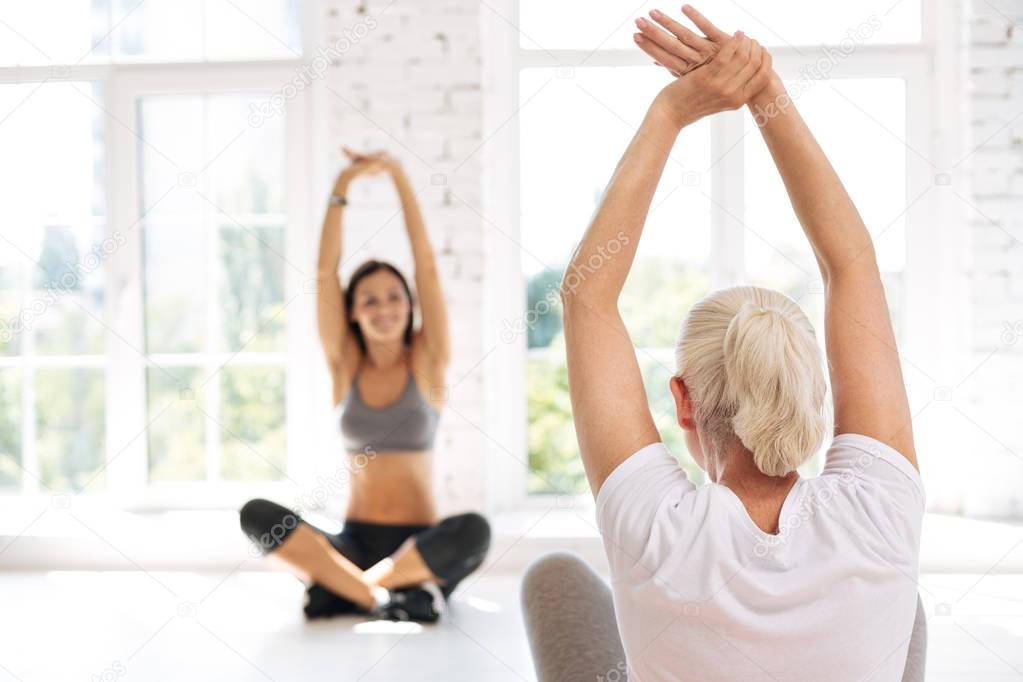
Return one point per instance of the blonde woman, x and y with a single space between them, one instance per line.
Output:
759 574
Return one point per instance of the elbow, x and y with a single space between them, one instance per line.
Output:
861 266
575 294
569 293
565 294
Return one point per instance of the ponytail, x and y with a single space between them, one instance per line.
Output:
753 367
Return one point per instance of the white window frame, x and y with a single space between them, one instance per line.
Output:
930 67
126 455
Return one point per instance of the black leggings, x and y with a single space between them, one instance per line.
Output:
452 549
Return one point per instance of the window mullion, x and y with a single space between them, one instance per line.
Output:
29 461
212 343
728 202
125 376
506 413
300 235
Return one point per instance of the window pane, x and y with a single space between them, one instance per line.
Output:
164 31
554 464
172 148
864 143
252 305
252 419
657 367
10 322
70 423
54 223
244 164
175 286
177 427
544 24
154 30
258 28
67 296
10 428
657 296
49 31
190 30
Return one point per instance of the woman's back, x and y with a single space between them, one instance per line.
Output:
702 593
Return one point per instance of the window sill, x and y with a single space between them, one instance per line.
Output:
100 539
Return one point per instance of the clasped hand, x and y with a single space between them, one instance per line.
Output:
714 72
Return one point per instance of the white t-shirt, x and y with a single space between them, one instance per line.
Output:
702 594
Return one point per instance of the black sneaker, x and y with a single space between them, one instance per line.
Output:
322 603
419 604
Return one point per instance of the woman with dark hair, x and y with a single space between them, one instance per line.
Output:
392 558
759 574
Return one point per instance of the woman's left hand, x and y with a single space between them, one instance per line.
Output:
680 50
675 47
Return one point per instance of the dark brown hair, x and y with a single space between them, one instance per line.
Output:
363 271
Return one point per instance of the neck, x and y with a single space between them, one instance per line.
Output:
733 466
385 354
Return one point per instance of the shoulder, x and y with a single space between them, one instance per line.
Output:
877 485
854 457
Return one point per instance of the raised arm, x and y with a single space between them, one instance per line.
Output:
339 345
434 331
609 406
863 360
866 376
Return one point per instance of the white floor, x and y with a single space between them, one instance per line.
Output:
95 625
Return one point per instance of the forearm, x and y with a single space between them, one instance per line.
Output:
824 209
592 273
330 236
419 239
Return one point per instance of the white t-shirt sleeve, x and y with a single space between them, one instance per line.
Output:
884 481
640 488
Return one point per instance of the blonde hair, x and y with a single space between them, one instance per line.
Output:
750 361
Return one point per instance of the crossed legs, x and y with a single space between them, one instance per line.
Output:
390 557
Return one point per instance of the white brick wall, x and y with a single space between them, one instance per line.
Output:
995 170
412 86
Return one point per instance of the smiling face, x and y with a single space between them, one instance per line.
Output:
381 307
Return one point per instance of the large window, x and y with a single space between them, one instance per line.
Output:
721 215
146 256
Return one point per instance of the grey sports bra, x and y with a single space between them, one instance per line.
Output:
407 424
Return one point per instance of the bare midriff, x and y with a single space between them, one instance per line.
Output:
393 488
